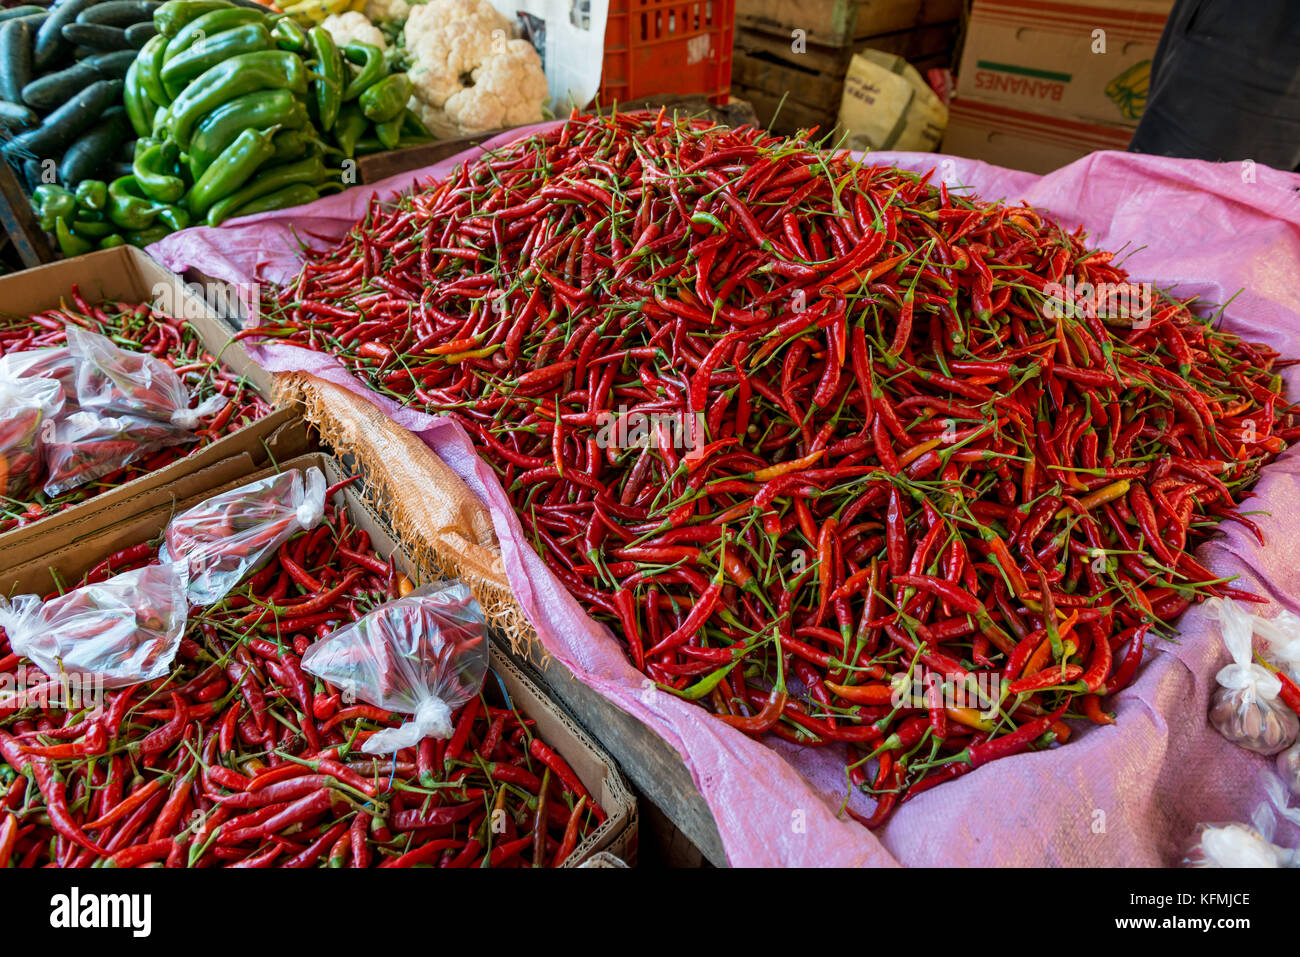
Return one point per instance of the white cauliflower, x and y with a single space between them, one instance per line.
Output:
353 27
397 10
465 66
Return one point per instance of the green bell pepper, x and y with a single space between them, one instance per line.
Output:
203 30
154 170
89 229
232 169
246 73
53 204
175 217
389 132
175 14
386 99
108 242
311 171
92 195
371 61
147 237
327 86
128 207
148 65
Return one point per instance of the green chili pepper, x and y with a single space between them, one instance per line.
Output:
175 14
139 109
232 169
127 205
283 198
179 70
148 65
389 132
70 244
371 61
246 73
218 129
327 86
89 229
147 237
175 217
202 31
115 239
153 170
349 127
385 100
289 36
292 144
311 171
92 195
413 126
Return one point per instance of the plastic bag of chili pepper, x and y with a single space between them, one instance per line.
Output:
1248 708
84 446
54 362
120 382
222 540
123 630
425 655
1248 845
27 406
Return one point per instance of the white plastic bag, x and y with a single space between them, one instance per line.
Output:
1282 640
225 538
1242 845
424 654
1288 765
117 381
52 362
1246 709
26 406
124 630
84 446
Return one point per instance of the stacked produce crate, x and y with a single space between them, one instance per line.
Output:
1038 87
791 58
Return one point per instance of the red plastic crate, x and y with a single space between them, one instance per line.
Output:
665 47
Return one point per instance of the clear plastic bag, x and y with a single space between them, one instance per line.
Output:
1248 845
1288 766
53 362
1246 709
124 630
222 540
424 654
1282 642
27 406
117 381
85 446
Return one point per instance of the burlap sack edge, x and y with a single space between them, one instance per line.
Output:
352 426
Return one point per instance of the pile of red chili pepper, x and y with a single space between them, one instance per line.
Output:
912 458
142 328
238 758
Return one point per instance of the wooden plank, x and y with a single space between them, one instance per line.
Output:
811 57
759 71
788 116
377 166
653 766
919 44
19 221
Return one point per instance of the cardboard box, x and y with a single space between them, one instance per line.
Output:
841 22
1089 59
29 567
128 274
1020 140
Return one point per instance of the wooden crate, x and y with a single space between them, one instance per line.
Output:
843 22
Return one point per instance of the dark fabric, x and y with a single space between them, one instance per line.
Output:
1225 84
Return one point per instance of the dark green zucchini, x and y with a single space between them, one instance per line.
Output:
119 13
138 34
96 36
55 88
50 43
15 116
26 10
92 148
15 59
112 66
69 121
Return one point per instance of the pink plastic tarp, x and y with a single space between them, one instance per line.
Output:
1124 795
